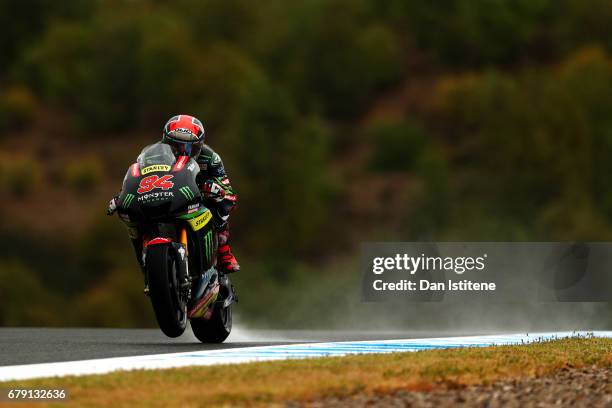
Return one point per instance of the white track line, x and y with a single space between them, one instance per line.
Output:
267 353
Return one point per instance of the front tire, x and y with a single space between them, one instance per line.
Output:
170 310
217 328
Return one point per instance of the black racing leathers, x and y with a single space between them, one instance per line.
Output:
212 170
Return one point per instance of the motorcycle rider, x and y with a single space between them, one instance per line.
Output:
185 134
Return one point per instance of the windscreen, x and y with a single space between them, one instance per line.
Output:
159 153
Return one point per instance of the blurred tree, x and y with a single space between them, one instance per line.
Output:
470 33
280 172
226 76
230 21
17 105
535 146
342 58
23 21
397 145
24 300
83 175
20 175
576 23
113 71
103 248
435 205
116 300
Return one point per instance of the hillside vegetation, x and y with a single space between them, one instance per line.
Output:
338 121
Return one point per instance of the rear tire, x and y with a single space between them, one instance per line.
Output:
170 311
216 329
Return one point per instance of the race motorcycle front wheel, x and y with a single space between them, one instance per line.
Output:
164 290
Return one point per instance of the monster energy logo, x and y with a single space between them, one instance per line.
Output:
187 192
128 200
208 244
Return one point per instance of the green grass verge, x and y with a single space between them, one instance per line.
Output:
271 383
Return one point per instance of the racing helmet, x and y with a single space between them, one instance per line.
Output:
185 135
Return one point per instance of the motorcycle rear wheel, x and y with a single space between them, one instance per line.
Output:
217 328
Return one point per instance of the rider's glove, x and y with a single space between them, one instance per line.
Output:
213 191
112 206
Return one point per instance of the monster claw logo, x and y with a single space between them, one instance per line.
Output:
187 192
208 246
128 200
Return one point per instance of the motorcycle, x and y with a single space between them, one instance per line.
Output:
160 201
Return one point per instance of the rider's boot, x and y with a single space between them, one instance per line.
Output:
226 261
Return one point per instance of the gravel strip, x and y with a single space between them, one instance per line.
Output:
585 387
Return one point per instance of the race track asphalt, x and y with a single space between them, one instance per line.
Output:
45 345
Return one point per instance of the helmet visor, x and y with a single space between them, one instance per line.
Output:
191 149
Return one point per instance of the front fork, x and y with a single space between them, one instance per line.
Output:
181 251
